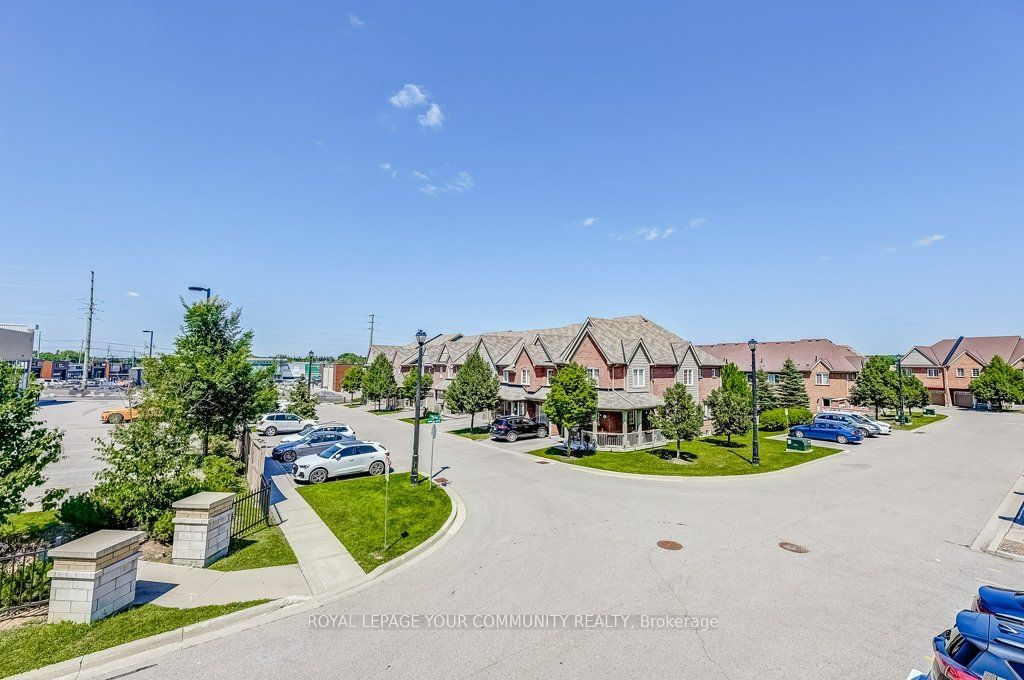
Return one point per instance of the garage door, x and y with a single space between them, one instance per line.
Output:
963 399
938 397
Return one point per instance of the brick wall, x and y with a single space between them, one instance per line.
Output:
588 356
662 377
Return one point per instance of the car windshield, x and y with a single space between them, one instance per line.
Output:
329 451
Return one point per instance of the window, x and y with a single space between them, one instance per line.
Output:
519 408
975 372
908 371
826 403
551 374
594 374
506 376
687 376
714 372
933 373
821 378
525 379
773 378
639 377
960 372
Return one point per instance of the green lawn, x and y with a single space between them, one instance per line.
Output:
354 404
26 527
412 421
384 411
474 433
40 644
266 547
916 420
354 510
705 457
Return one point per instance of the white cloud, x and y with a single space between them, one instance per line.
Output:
697 223
354 21
388 168
433 118
409 95
588 222
929 240
132 293
461 183
421 175
645 234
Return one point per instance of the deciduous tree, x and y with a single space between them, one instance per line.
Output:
572 401
679 417
730 413
474 388
300 401
353 381
379 381
409 385
999 384
874 385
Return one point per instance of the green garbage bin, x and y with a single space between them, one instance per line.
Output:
797 444
929 411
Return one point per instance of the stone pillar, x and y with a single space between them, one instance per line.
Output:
94 576
202 528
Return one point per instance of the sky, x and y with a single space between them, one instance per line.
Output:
729 170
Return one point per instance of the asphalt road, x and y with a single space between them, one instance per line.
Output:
887 527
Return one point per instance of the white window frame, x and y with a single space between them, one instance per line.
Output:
975 372
714 372
773 378
639 376
933 373
507 376
960 373
821 379
688 376
524 376
594 374
550 374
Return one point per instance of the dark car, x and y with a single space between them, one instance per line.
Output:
1000 602
825 430
313 443
977 646
511 428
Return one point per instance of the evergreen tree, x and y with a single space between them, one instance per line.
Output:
730 413
767 399
572 402
791 391
474 389
353 381
874 385
679 417
379 381
300 401
999 384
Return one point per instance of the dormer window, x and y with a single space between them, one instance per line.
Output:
524 376
639 377
507 376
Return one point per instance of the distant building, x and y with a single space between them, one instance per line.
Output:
16 342
948 367
332 375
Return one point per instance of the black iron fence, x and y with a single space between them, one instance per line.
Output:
251 510
23 581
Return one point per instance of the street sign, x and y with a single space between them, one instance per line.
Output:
433 417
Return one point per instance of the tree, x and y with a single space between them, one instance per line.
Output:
999 383
730 413
735 381
874 385
300 401
26 447
572 401
409 385
207 385
914 392
679 417
379 381
766 396
351 359
474 388
791 392
353 381
60 355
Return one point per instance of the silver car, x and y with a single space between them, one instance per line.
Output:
883 428
848 420
281 423
342 459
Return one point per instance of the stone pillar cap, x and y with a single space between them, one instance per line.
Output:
97 544
202 501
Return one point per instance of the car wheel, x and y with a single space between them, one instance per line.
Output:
376 468
841 439
288 456
511 437
115 418
799 434
318 476
863 433
270 431
542 432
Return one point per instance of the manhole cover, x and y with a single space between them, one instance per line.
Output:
441 480
793 547
543 462
670 545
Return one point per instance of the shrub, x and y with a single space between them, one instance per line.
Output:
800 416
775 419
163 528
222 474
86 514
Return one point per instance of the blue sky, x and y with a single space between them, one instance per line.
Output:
777 170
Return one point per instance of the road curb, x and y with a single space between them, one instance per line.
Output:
140 652
997 527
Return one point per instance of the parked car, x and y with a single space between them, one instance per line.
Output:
281 423
119 415
976 646
1002 603
323 427
511 428
314 442
849 421
346 458
822 429
883 428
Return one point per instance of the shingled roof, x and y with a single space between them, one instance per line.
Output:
1009 347
804 353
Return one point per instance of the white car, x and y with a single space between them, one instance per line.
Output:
340 428
883 428
282 423
341 459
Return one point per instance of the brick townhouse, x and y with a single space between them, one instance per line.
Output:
632 360
829 369
947 367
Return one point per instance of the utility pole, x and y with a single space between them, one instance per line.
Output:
371 337
88 333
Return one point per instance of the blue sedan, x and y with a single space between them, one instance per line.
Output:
833 432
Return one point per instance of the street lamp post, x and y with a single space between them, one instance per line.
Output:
414 476
752 344
200 289
899 386
150 343
309 376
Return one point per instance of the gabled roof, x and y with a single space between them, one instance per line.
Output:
981 349
804 353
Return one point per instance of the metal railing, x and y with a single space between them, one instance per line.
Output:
628 441
251 510
24 583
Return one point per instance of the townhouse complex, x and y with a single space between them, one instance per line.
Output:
947 367
631 359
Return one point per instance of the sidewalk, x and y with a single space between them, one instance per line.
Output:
1004 533
323 560
170 585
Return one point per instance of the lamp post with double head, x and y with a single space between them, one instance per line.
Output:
414 476
752 344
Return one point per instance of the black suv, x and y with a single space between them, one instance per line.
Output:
511 428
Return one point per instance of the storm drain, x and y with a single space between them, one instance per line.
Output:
543 462
793 547
670 545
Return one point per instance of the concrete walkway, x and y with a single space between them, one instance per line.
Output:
323 560
170 585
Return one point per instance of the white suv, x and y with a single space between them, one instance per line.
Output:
282 423
341 459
